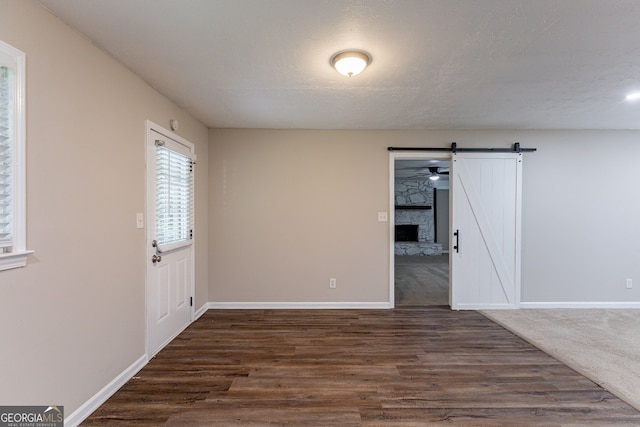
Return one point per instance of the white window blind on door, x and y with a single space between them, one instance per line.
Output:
6 155
174 197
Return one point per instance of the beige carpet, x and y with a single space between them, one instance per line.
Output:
601 344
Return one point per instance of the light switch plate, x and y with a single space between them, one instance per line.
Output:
383 217
139 220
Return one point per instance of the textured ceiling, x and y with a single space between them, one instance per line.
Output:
437 64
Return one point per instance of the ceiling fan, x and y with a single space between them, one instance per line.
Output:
435 172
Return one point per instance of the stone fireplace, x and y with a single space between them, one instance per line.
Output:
414 218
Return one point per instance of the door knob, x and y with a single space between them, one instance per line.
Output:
156 258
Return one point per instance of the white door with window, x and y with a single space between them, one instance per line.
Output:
486 229
170 208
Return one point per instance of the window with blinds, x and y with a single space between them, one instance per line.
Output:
13 252
6 156
174 198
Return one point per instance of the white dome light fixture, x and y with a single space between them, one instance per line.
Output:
634 96
350 63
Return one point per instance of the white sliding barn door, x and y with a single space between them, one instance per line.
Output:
486 228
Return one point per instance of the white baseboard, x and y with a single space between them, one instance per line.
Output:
202 310
580 305
297 305
483 307
387 305
107 391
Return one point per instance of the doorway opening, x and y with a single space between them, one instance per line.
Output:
420 265
485 223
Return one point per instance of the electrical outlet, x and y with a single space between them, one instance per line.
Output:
383 217
332 283
629 284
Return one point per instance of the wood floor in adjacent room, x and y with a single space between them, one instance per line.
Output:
402 367
421 280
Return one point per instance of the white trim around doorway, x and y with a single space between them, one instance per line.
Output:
393 156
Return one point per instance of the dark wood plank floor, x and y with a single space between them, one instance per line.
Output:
402 367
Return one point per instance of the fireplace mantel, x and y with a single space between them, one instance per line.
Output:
413 207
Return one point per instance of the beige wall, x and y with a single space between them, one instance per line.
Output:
74 318
293 208
289 209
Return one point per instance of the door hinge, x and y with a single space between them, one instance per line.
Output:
191 301
191 234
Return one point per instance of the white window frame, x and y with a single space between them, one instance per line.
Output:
16 255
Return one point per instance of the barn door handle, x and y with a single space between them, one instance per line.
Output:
457 245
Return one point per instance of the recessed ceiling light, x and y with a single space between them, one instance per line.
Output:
350 63
634 96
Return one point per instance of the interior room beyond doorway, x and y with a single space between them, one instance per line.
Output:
421 225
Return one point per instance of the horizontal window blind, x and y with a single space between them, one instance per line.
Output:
174 196
6 176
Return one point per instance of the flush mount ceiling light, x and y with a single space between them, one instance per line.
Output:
351 62
633 96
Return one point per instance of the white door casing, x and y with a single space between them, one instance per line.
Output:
170 268
393 156
486 192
